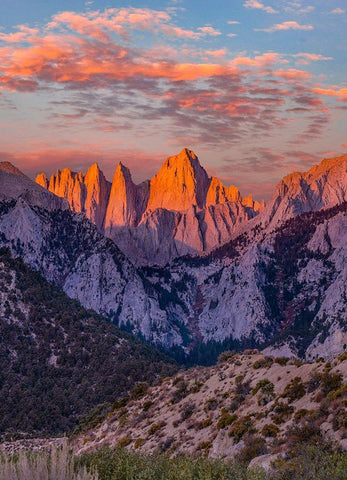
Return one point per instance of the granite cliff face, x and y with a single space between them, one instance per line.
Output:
179 211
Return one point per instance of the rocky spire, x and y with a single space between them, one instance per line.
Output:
42 180
97 194
121 210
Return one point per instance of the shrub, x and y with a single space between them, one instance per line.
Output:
155 427
139 442
300 414
264 385
342 357
242 388
181 390
264 362
187 411
308 434
294 390
205 445
282 361
195 388
166 444
124 442
281 412
240 427
254 446
211 404
328 382
340 419
139 390
225 356
225 419
340 392
204 423
270 430
147 405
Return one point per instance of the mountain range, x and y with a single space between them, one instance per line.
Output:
187 263
179 211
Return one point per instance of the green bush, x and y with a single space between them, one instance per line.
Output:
294 390
264 362
281 412
240 427
124 442
264 385
225 419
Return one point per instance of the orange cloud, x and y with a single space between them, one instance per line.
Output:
292 74
341 93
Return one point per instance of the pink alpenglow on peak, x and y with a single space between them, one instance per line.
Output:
179 211
121 210
181 183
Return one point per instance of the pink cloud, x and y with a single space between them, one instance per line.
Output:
310 57
285 26
292 74
259 6
217 53
24 34
337 11
209 31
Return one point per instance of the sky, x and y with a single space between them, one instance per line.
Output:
257 89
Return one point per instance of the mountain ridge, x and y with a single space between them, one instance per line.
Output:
180 210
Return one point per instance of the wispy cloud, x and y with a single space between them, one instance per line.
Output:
338 11
207 30
259 6
290 25
233 22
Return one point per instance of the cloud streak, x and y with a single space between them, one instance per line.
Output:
280 27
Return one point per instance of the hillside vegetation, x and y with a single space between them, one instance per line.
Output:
246 406
59 360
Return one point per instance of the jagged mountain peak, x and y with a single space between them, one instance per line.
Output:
180 183
122 171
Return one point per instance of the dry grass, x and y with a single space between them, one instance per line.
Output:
58 464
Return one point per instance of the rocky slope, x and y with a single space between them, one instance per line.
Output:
68 250
286 287
179 211
58 360
248 404
323 186
14 185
